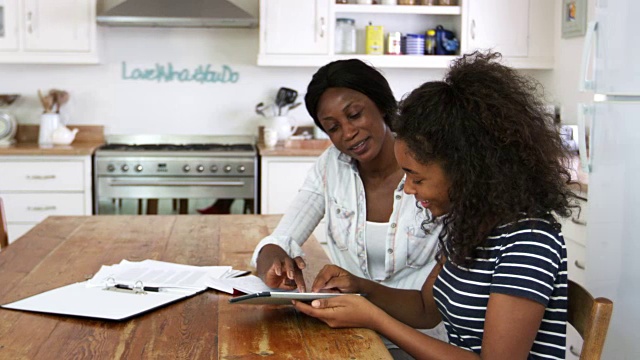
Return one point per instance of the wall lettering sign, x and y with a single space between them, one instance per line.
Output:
167 73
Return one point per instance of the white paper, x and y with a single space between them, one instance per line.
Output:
247 284
80 300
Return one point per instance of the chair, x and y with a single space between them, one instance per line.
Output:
4 233
590 317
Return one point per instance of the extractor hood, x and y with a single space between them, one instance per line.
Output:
177 13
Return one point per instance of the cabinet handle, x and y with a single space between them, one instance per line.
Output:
473 29
578 265
29 23
41 208
322 26
41 177
573 351
578 222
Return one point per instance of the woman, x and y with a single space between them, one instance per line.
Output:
480 152
374 229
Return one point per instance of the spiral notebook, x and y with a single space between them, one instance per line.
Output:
110 302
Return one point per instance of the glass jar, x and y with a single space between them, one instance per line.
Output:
345 36
406 2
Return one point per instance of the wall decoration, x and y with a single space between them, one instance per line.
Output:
574 18
168 73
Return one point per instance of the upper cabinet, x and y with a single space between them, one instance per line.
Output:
42 31
302 33
521 30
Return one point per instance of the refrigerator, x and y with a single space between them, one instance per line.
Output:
611 72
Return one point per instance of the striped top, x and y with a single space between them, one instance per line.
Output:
527 259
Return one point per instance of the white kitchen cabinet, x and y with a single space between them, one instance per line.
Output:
521 29
35 187
281 178
41 31
574 230
295 27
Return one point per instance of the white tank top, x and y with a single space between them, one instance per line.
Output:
376 235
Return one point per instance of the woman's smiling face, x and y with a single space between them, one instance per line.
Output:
353 122
428 183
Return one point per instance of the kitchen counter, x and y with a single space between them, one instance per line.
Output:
88 139
295 148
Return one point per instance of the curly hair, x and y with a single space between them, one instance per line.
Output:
486 125
356 75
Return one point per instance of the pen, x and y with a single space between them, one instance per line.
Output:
144 288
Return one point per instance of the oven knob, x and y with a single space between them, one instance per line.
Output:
214 168
227 168
110 168
138 168
125 167
186 168
200 168
241 168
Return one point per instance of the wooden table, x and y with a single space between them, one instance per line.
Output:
63 250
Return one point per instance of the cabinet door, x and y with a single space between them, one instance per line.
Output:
501 25
281 180
296 27
61 25
8 25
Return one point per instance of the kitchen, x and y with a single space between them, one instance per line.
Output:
116 89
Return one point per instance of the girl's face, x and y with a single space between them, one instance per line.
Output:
353 122
428 183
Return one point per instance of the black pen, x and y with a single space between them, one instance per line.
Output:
144 288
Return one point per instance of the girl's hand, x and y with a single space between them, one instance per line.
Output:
336 279
278 270
343 311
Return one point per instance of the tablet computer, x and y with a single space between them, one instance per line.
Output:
280 297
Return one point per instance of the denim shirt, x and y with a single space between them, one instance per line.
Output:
334 190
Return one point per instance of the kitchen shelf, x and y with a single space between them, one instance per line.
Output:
379 61
397 9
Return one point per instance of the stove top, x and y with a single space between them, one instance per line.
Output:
178 147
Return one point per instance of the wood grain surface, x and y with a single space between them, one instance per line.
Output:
63 250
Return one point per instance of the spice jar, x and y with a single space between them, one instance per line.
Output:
345 42
406 2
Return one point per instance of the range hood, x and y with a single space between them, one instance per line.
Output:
177 13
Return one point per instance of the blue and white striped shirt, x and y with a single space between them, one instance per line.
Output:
526 259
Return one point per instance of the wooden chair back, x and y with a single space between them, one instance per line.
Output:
590 317
4 233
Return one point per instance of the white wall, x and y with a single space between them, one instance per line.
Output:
563 87
100 96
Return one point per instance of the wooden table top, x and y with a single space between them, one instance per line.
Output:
64 250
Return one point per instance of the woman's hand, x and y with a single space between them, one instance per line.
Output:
343 311
278 270
336 279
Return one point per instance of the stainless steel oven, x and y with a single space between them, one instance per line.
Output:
144 174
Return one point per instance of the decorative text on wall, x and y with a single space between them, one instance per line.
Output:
167 73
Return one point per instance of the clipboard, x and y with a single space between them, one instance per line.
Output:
281 297
109 303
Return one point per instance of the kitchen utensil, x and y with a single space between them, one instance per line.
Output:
285 96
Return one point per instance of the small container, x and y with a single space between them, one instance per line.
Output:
394 40
430 42
429 2
406 2
389 2
375 40
345 42
365 2
342 1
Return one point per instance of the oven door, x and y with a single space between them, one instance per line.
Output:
174 195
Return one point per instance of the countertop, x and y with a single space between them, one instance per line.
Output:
295 148
88 139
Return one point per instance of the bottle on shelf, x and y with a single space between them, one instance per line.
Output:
345 41
375 40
